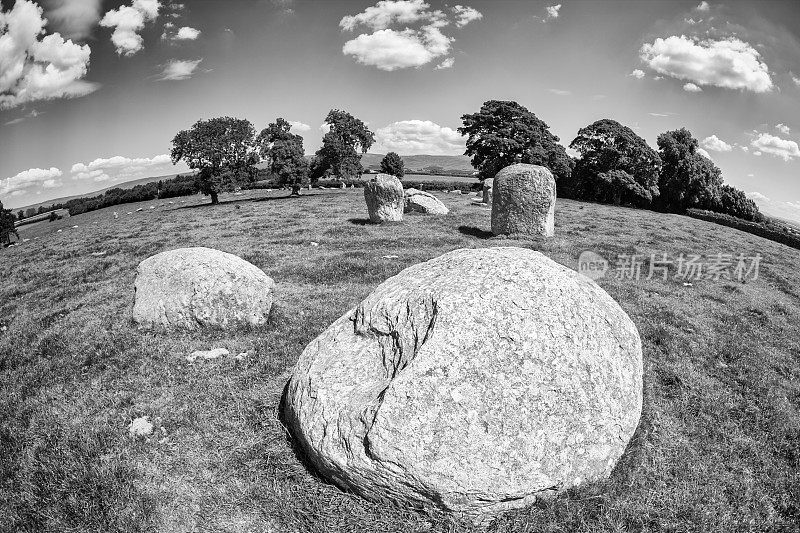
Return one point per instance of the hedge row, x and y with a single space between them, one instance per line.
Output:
773 232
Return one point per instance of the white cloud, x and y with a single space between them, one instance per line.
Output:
796 80
299 126
385 13
770 144
744 148
560 92
637 73
33 67
418 137
179 69
731 63
447 63
30 179
120 168
187 34
756 195
704 153
715 144
703 6
659 114
127 22
465 15
324 128
691 88
552 12
74 19
783 128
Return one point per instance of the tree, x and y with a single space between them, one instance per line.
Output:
687 178
285 153
339 155
502 133
20 214
6 226
607 145
222 150
734 202
393 165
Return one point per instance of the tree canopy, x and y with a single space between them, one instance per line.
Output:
393 164
502 132
687 178
223 150
339 155
605 146
6 226
285 153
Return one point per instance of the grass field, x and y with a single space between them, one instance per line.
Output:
717 448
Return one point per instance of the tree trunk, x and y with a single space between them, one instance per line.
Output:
214 198
617 197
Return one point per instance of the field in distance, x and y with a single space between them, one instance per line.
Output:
717 448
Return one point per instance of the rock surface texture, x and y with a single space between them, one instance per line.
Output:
384 197
475 383
423 202
488 184
523 201
190 288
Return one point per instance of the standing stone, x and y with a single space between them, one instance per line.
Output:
423 202
488 183
190 288
474 383
384 197
524 201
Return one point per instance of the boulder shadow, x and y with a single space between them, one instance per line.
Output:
296 447
478 233
359 221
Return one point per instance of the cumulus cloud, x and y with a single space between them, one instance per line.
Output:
30 179
637 73
299 126
119 168
74 19
770 144
465 15
391 49
783 128
729 63
715 144
704 153
756 195
691 88
179 69
796 80
187 33
552 12
36 67
127 22
419 137
703 6
447 63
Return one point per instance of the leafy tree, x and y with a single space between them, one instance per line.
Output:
30 212
339 155
733 202
393 165
6 226
502 133
20 214
607 145
223 150
687 178
285 153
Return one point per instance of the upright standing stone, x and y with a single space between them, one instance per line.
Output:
384 196
524 201
488 183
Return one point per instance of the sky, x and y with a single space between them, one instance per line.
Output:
92 92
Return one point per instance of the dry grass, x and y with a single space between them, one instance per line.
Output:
717 449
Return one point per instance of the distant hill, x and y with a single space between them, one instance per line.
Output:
418 162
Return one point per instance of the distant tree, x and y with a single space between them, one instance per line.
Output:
734 202
30 212
285 153
433 169
503 132
392 164
687 178
222 150
20 214
6 226
339 155
53 216
605 146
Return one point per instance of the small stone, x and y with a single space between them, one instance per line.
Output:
98 254
207 354
314 243
140 427
241 356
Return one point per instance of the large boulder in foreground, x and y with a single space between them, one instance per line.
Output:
423 202
190 288
384 197
524 201
475 382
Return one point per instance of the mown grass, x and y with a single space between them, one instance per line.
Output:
717 449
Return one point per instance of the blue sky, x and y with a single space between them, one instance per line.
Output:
92 91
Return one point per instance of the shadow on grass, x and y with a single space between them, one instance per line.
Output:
472 231
294 444
249 200
359 221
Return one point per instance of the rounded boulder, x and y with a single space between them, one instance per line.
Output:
384 197
189 288
474 383
523 201
423 202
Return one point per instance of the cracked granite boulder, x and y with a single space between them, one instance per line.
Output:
474 383
417 201
384 197
190 288
523 201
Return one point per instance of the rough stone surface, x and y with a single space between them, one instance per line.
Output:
475 382
190 288
384 197
488 183
523 201
423 202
